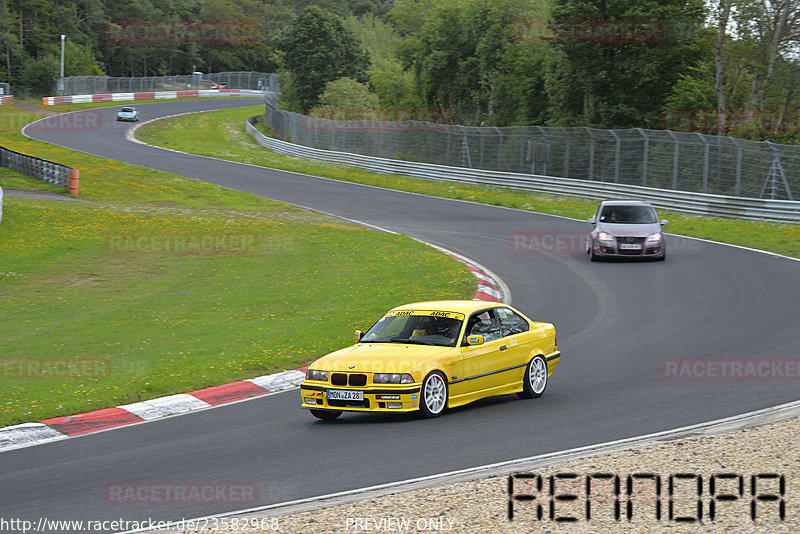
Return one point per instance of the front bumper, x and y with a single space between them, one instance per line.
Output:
613 251
377 398
130 119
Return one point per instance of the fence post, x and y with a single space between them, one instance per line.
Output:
738 165
646 155
74 174
591 153
616 155
705 161
674 160
547 142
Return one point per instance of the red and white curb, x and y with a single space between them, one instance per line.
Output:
146 95
490 288
26 434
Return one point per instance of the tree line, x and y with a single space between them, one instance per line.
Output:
716 66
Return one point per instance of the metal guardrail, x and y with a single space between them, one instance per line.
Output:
50 172
696 203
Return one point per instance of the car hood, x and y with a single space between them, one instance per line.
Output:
635 230
379 358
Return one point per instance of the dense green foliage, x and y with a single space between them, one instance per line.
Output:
319 50
676 64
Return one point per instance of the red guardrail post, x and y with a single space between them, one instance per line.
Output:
73 181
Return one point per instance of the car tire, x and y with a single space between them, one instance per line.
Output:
325 415
534 381
433 395
592 255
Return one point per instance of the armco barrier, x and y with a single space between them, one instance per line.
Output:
148 95
697 203
50 172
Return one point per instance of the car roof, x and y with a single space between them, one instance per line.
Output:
458 306
625 202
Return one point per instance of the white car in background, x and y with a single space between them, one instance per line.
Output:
128 114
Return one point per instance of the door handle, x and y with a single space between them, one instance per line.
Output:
503 347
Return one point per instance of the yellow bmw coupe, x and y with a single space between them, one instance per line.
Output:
429 356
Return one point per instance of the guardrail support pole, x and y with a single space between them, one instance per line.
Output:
73 181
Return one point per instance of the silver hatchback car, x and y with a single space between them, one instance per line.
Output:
626 229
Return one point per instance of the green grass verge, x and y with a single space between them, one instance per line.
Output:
222 134
95 312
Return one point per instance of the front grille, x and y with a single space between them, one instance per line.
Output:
348 403
633 241
343 379
358 380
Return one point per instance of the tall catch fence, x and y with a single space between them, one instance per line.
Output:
663 159
83 85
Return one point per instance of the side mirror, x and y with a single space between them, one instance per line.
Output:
664 222
590 220
475 340
359 335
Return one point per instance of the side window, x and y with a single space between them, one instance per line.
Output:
485 324
511 322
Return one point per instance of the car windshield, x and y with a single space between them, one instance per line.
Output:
420 328
127 110
628 215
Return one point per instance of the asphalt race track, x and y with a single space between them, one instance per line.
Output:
616 324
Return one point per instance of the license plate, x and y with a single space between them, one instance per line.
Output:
630 246
340 394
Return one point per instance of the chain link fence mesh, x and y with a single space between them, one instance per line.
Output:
682 161
85 85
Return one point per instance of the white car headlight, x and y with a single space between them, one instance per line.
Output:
606 237
392 378
313 374
654 238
